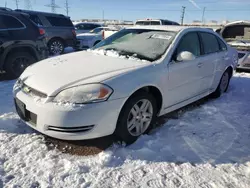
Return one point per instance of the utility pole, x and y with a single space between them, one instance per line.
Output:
203 16
5 4
67 7
182 14
53 6
17 3
28 5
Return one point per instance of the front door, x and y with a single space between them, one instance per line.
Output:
184 78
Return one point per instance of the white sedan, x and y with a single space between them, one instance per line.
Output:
122 84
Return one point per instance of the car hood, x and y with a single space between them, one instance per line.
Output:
54 74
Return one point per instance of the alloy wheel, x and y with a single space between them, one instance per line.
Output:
140 117
56 47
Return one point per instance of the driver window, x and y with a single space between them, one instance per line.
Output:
189 42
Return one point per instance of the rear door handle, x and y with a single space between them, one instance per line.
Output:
199 65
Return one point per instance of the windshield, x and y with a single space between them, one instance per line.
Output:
96 30
143 44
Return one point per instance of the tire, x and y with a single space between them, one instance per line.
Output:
223 85
126 116
17 62
96 42
56 47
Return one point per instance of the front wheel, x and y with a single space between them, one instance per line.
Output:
136 117
223 85
17 62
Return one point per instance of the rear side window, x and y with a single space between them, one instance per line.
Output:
10 22
210 43
189 42
59 21
223 46
36 20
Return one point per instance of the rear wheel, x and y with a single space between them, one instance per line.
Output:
223 85
56 47
17 62
136 117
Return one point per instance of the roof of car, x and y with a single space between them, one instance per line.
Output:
171 28
238 22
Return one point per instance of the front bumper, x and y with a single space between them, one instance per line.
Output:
67 122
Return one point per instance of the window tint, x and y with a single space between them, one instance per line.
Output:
36 20
210 43
223 46
10 22
59 21
155 23
189 42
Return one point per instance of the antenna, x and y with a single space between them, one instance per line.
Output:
28 4
53 6
182 14
5 4
67 7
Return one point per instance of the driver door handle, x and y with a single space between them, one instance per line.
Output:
199 65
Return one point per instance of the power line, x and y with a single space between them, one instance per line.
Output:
53 6
28 4
17 3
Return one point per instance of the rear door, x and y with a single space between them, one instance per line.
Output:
184 77
211 57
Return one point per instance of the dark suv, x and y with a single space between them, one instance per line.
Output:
60 31
21 42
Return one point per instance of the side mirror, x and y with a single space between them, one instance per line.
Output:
185 56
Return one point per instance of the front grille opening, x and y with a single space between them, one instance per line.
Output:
71 129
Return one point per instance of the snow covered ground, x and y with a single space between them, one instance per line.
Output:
206 146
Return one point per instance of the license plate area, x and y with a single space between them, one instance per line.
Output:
21 109
24 113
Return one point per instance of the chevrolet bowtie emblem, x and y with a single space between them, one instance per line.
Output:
26 89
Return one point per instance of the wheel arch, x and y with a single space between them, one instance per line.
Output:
56 38
11 50
154 91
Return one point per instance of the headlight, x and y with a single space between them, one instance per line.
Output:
84 94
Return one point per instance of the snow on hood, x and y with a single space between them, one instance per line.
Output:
51 75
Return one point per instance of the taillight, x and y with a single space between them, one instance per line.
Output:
74 32
103 34
41 31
